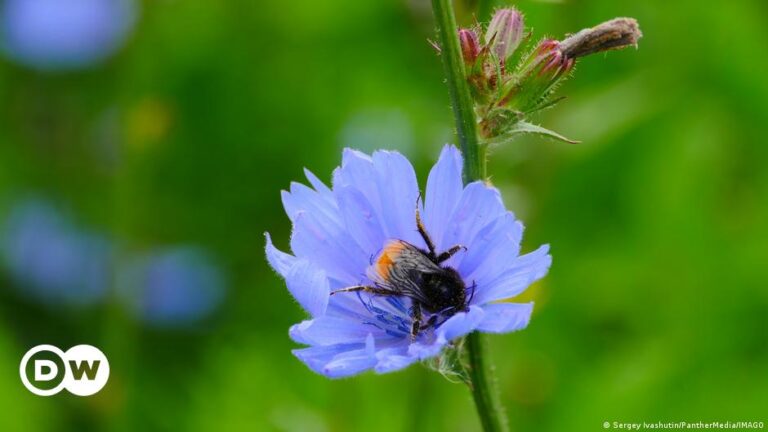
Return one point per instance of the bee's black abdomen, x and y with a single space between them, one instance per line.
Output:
444 291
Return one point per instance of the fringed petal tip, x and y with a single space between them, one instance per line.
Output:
280 261
306 282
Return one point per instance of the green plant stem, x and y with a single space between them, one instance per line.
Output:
481 383
461 98
483 386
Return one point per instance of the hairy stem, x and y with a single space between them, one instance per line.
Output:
481 383
483 386
461 98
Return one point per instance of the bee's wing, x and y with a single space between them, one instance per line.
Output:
399 266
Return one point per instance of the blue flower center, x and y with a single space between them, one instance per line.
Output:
395 323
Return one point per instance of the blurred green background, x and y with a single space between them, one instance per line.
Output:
656 305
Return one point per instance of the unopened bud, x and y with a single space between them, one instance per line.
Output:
470 48
614 34
551 62
505 32
539 73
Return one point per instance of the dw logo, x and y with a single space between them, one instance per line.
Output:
83 370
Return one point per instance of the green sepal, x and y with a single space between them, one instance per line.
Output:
523 127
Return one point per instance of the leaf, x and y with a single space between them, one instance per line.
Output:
523 127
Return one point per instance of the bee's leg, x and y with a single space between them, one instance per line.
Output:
449 253
436 324
423 231
368 289
430 322
416 317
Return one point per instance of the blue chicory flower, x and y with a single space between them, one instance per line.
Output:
338 232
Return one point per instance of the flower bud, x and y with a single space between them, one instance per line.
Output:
543 68
470 48
505 32
614 34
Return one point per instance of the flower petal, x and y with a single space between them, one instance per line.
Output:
357 170
393 359
280 261
505 317
461 324
444 189
361 219
524 271
318 225
316 357
398 191
328 330
479 204
330 246
309 286
319 186
338 361
425 350
492 251
303 198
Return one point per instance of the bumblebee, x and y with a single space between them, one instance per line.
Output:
404 270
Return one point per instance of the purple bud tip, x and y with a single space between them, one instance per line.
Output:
554 63
505 32
550 61
568 65
470 48
614 34
546 46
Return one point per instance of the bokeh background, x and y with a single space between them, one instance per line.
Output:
143 145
